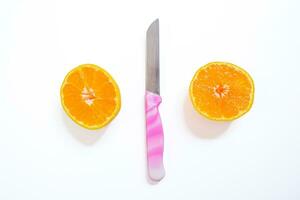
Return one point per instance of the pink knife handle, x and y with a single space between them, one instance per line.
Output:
154 137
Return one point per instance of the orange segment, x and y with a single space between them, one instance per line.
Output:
90 96
222 91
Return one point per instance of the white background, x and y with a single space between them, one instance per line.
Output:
44 155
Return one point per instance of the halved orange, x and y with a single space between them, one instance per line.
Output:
90 96
222 91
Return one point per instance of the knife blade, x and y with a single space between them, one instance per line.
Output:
152 70
154 129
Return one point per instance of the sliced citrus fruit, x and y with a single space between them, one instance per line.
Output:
222 91
90 96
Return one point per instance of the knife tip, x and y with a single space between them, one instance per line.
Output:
153 24
156 21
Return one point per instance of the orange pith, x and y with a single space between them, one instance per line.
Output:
90 96
222 91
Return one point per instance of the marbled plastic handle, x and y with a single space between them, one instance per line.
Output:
154 136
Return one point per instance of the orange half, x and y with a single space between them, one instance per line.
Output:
222 91
90 96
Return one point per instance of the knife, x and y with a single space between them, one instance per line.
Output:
154 129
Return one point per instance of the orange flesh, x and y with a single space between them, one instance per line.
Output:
90 96
222 91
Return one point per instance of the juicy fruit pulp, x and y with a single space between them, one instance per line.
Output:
222 91
90 96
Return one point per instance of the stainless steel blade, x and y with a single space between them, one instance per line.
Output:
152 68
